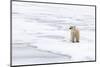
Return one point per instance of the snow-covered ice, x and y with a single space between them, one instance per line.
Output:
32 55
40 33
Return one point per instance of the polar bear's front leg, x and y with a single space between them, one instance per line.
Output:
77 36
72 37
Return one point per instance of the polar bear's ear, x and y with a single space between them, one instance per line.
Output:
74 27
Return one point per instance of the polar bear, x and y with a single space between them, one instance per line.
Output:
75 34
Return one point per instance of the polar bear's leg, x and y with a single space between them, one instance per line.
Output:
72 37
77 36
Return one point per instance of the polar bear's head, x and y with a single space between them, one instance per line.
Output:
72 27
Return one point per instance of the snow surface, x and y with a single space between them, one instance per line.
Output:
45 28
